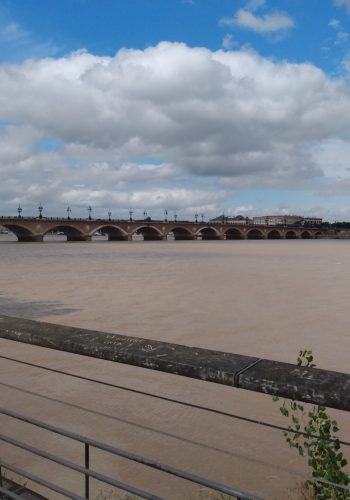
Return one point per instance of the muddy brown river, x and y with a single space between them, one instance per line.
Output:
261 298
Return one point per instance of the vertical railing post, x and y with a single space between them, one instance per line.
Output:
87 477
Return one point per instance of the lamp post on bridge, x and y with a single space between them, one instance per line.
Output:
202 216
130 214
144 214
109 215
175 216
196 217
68 212
19 210
40 208
89 209
165 215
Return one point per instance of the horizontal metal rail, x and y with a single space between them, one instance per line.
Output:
312 385
115 451
78 468
39 480
10 493
72 219
278 467
215 411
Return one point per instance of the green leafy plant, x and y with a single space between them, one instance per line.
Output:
313 435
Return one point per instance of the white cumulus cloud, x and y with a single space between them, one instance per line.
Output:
343 3
267 23
229 42
335 24
168 126
255 4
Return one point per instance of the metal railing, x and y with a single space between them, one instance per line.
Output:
88 473
93 219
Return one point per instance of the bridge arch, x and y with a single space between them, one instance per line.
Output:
291 235
71 232
208 233
305 235
114 233
22 233
233 234
255 234
274 234
149 233
318 235
180 233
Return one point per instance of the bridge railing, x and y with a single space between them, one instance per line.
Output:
93 219
243 372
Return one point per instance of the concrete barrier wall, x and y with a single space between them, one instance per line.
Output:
311 385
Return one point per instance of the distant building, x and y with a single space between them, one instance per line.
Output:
277 220
314 221
286 220
237 219
269 220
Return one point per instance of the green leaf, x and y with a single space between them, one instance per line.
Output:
284 411
295 419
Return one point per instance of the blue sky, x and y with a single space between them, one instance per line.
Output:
240 106
104 26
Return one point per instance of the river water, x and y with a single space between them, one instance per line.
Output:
261 298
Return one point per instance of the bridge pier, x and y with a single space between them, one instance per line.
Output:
26 238
211 237
113 237
152 237
76 237
184 237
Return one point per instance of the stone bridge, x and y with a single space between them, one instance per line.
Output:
35 229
